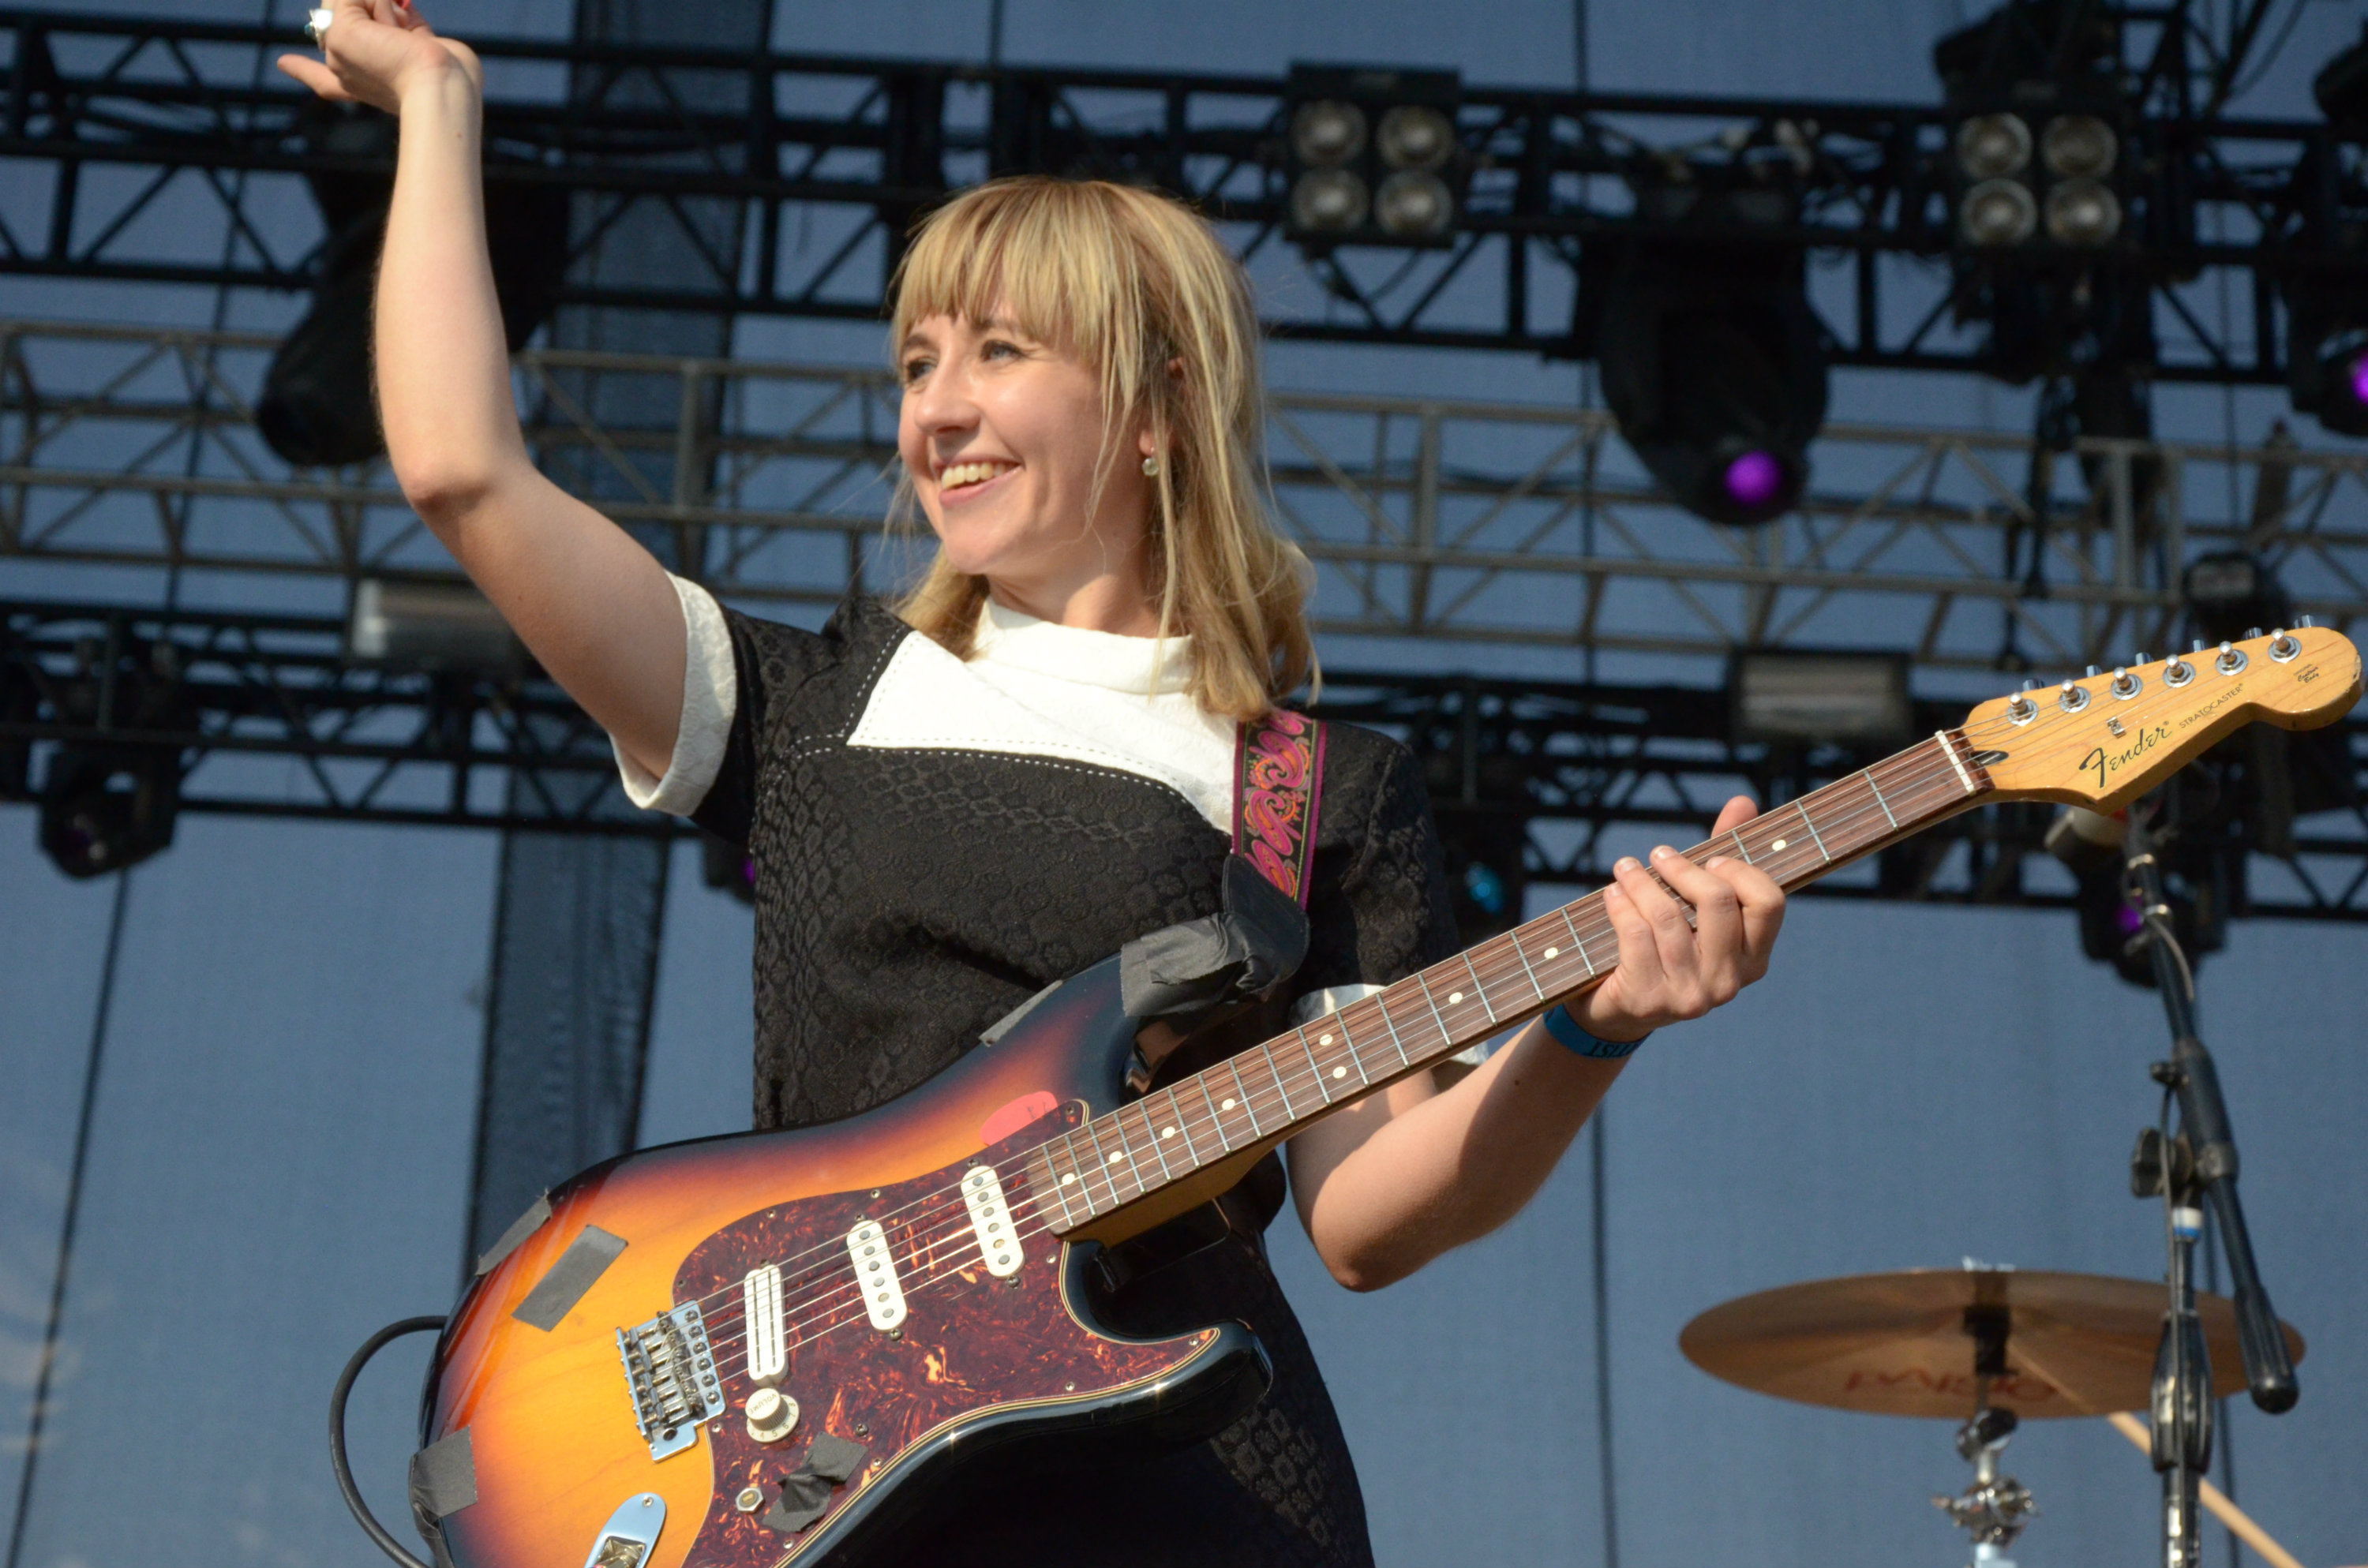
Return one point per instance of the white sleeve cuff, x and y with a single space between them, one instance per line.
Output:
1315 1003
711 694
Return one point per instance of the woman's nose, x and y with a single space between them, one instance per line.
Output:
942 401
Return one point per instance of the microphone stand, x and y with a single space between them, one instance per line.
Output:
2197 1167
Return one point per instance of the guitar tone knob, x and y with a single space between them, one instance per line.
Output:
771 1413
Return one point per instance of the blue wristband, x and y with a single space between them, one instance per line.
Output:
1568 1032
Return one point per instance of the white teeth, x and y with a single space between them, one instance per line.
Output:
957 474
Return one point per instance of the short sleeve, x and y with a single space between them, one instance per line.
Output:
1384 912
792 686
710 699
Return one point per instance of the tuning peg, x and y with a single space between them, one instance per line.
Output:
2306 623
2197 646
2251 632
2179 672
2140 658
2283 646
2125 685
2092 670
2072 698
2030 685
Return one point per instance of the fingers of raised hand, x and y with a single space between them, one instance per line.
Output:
313 75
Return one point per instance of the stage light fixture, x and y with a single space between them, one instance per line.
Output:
433 626
2340 88
1997 213
1415 136
1373 158
1328 133
1715 366
1414 205
105 809
2078 146
1328 201
1993 146
2327 352
2082 213
2232 593
1812 698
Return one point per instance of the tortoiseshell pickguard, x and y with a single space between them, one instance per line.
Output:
970 1343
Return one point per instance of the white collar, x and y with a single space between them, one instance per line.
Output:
1142 666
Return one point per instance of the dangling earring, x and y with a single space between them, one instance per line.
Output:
1151 467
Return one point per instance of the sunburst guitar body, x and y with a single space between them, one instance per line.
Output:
604 1395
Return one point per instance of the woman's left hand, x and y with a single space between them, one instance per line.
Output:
1670 971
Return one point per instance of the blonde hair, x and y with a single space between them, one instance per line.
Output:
1131 282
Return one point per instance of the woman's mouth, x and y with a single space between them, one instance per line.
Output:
960 482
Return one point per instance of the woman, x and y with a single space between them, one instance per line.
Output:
1027 763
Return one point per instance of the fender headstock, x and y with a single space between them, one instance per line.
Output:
2101 741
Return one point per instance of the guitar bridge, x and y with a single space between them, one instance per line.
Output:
670 1373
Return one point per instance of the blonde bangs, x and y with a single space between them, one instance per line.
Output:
1130 281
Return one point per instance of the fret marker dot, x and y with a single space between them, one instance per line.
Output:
1552 952
1324 1040
1455 995
1116 1158
1340 1072
1226 1106
1070 1179
1779 844
1168 1132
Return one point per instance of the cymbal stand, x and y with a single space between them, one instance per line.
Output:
2197 1167
1995 1507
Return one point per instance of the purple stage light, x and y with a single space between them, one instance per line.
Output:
2128 921
2360 380
1754 479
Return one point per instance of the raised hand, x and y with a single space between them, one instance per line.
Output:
1669 971
373 49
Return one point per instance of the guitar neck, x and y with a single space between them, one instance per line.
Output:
1257 1100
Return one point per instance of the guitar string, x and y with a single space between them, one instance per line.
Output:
922 1248
1911 759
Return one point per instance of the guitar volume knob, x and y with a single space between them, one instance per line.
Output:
771 1413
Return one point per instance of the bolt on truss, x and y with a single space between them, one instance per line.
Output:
130 452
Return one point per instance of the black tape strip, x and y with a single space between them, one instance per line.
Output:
443 1478
520 1228
555 1294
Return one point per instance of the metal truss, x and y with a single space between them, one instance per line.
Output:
131 454
270 716
162 149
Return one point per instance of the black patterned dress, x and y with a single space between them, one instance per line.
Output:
937 840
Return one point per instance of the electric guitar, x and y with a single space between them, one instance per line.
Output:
762 1349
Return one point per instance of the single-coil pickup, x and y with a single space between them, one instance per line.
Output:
990 1215
875 1270
768 1345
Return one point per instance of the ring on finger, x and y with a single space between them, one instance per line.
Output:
316 24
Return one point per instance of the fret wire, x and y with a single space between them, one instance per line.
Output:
1737 835
1381 1005
1429 1000
1580 942
1085 1183
1053 1182
1247 1110
1153 1133
1198 1158
1289 1112
1868 773
1800 804
1117 1120
1349 1043
1514 937
1313 1065
1479 990
1101 1164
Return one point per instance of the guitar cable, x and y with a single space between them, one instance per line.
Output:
379 1535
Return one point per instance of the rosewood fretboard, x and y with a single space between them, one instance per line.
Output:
1266 1093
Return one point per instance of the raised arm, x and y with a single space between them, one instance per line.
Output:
590 603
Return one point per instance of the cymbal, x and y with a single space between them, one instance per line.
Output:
1901 1344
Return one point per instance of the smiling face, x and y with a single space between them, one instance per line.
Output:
1005 438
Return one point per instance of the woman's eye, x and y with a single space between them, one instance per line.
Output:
996 348
915 370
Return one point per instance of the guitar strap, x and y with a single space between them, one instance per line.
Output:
1277 780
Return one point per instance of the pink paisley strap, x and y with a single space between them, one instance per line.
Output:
1277 777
